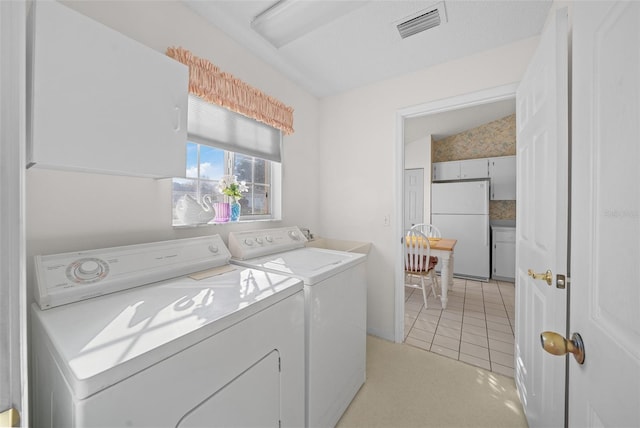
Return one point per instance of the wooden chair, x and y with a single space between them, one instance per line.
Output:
427 229
430 231
418 261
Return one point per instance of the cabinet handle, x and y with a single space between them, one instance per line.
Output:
178 119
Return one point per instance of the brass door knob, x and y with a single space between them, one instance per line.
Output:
555 344
10 418
547 276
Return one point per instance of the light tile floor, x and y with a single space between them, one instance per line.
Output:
477 327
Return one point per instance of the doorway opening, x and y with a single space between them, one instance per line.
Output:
475 105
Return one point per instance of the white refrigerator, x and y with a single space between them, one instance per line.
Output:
460 209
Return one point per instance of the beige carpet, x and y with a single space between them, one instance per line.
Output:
410 387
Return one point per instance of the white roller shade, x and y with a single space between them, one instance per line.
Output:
216 126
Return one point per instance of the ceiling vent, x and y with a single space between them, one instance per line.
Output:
422 21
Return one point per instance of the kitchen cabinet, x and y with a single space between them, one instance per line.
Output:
474 168
503 257
100 101
446 171
461 170
502 171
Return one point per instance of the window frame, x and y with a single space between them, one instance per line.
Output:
272 181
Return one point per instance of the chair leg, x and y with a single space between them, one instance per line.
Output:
424 291
434 283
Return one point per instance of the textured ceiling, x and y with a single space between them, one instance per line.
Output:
363 46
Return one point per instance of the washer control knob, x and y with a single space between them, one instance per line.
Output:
89 268
269 238
248 242
294 235
87 271
259 240
213 248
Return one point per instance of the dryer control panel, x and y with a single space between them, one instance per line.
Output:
255 243
70 277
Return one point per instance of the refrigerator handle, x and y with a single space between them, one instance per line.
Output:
487 228
486 200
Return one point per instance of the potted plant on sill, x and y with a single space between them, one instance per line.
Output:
232 189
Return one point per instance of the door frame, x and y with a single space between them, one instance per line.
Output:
486 96
422 173
13 288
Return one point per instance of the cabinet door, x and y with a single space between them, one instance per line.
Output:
474 168
504 253
502 171
505 260
446 171
101 101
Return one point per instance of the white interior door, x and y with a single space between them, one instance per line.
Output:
413 197
542 223
605 219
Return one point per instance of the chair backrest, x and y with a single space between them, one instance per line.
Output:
427 229
417 251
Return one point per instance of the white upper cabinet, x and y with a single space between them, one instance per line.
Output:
474 168
446 171
461 170
502 171
100 101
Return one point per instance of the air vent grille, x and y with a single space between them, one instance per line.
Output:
421 22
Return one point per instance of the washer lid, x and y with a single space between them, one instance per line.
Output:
101 341
311 265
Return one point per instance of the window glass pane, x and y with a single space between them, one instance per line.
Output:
259 200
208 187
260 171
192 160
181 187
211 162
242 167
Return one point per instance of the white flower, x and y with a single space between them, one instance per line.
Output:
228 185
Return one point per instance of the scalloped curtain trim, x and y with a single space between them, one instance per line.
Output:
212 85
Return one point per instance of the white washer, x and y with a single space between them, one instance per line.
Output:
223 349
335 313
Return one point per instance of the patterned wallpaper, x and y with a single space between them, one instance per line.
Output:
502 210
497 138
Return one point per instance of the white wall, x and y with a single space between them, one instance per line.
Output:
417 154
69 211
358 158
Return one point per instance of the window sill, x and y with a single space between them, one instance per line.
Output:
178 225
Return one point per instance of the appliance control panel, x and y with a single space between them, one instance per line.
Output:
255 243
70 277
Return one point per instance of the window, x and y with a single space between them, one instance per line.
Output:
222 142
206 165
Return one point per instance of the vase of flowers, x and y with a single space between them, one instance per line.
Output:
232 190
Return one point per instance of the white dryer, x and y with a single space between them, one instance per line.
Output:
221 348
335 313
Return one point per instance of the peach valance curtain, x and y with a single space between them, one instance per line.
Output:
208 82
